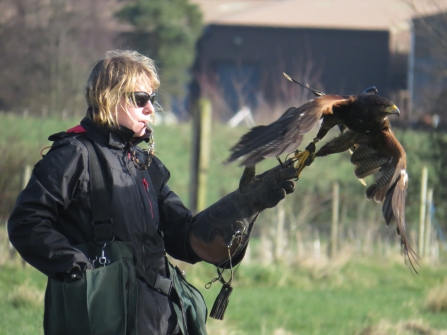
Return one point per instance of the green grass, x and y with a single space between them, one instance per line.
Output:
350 298
358 295
21 300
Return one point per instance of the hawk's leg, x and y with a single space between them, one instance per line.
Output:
305 158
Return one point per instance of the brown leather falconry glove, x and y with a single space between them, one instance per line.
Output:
230 220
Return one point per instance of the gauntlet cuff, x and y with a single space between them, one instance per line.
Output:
225 225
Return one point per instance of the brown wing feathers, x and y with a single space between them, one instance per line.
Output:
286 133
386 157
394 208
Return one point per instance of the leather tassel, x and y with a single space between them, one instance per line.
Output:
221 303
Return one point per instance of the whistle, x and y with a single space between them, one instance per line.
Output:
148 127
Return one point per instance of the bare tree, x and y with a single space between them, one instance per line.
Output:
268 96
48 48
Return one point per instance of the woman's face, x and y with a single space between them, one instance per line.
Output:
136 117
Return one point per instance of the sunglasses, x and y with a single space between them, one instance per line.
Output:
142 98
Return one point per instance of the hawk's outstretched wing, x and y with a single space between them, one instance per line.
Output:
382 154
284 134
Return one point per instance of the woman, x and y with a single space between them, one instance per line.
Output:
53 214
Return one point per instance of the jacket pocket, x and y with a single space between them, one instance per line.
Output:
101 303
106 299
191 308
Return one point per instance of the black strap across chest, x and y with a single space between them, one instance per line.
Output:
100 197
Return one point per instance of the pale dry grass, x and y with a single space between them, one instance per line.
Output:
281 331
323 261
224 328
413 327
437 298
8 255
4 245
26 295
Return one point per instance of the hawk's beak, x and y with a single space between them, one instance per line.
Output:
393 110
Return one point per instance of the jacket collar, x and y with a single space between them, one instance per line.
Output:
114 137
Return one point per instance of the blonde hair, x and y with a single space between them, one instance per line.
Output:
115 76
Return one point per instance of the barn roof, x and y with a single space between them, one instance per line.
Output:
391 15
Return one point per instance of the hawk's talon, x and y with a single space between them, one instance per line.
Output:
280 161
301 161
305 158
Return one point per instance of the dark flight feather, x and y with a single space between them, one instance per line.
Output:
285 134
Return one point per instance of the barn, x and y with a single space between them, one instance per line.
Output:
339 46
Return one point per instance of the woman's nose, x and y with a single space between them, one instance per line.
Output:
149 108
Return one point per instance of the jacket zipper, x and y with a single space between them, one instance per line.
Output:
146 187
129 161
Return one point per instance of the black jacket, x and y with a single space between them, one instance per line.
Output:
53 213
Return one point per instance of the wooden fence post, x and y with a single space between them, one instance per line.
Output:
205 148
428 226
335 216
423 209
280 239
200 154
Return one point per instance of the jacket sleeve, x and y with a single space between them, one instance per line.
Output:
175 218
31 226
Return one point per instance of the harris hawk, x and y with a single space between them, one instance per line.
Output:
365 130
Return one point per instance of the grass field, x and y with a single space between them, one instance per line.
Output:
359 297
